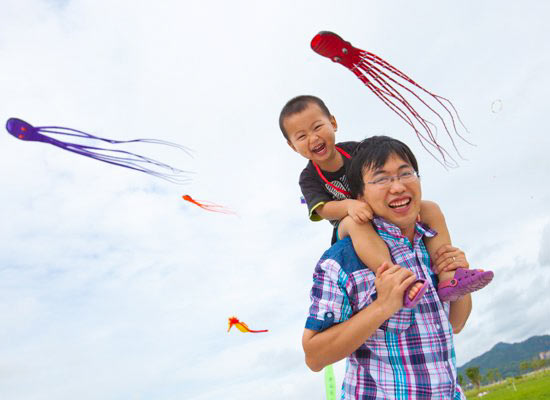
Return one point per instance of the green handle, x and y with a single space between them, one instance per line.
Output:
330 384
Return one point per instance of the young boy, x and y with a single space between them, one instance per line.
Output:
309 129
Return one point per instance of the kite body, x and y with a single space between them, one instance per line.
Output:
397 91
24 131
208 205
233 321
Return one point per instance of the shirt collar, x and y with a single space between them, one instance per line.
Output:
385 226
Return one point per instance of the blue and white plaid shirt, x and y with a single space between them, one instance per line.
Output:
411 355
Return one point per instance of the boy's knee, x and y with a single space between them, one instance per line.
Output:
344 226
348 227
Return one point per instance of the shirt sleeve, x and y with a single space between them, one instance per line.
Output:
313 191
329 298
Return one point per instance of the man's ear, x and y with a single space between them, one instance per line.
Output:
291 146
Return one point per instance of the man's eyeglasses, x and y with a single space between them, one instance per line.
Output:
404 177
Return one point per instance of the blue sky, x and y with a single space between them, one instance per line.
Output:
113 287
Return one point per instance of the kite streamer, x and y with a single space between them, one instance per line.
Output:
396 90
330 383
207 205
52 135
234 321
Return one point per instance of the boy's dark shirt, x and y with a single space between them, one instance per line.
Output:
316 192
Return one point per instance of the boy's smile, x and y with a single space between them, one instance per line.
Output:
311 134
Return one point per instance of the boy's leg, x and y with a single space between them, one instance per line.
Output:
370 248
452 284
431 214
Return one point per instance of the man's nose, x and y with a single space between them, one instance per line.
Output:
396 186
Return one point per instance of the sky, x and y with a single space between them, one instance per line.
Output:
113 287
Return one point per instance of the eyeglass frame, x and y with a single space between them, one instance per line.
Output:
392 178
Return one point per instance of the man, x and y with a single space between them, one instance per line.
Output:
392 352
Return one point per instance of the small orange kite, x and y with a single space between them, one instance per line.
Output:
241 326
209 206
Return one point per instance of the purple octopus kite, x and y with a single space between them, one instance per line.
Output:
24 131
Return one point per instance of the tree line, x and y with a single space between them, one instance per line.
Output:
494 375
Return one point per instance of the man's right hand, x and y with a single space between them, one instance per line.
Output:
391 283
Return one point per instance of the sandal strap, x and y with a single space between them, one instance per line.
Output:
450 283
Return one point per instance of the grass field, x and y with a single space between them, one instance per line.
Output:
528 387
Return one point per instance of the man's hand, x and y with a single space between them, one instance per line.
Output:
391 283
449 258
359 211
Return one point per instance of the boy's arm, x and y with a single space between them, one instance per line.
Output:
359 211
333 210
340 340
459 313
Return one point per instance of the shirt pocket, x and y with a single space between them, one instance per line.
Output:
399 322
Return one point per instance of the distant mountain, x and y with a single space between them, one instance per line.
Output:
507 357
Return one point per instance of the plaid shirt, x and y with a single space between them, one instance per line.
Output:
411 355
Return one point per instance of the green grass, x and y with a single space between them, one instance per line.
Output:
529 387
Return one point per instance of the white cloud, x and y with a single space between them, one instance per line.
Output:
111 286
544 253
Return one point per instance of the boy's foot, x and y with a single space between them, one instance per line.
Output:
465 281
414 293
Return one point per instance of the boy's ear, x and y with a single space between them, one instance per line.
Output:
333 122
291 146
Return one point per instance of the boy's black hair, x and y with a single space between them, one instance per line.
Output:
372 153
297 105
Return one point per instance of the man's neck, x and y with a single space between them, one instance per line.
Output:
409 232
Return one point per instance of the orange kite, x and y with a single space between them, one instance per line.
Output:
209 206
241 326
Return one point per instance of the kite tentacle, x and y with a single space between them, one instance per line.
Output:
419 134
437 98
379 92
126 162
402 75
59 131
392 92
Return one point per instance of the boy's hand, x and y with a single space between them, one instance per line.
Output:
391 283
359 211
449 258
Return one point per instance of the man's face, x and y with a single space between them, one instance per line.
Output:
311 133
398 202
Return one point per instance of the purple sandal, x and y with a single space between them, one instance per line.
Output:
408 303
465 281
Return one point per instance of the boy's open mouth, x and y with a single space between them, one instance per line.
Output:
319 148
400 203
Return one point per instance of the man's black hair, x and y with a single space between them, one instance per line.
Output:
371 154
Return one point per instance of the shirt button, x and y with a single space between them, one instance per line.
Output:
438 327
